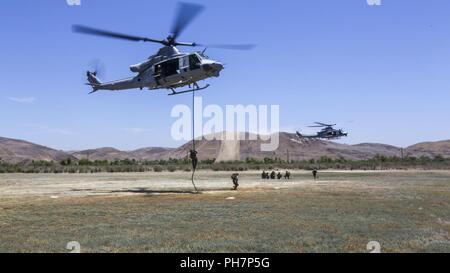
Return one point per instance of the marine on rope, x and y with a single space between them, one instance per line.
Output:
193 153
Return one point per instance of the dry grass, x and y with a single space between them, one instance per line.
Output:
404 211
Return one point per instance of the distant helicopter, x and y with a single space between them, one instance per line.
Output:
328 132
168 68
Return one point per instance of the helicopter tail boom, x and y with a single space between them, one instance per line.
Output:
302 136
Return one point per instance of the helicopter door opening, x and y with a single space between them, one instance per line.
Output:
170 67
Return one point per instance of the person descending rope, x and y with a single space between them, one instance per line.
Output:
193 157
193 153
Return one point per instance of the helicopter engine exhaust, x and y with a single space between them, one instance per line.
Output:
140 67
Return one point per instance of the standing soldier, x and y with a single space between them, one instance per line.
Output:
279 175
287 175
314 172
235 179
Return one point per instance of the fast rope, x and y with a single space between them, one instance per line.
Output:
193 152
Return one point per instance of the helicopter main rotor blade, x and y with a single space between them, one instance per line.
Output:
110 34
185 15
184 44
326 125
230 46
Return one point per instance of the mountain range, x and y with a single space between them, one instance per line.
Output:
15 151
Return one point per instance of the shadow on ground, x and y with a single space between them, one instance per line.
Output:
168 191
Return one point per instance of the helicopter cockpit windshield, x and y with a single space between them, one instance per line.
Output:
194 62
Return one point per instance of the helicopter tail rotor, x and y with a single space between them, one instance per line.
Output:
97 67
92 78
94 81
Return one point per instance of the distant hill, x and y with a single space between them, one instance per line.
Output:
112 154
105 153
16 151
228 150
429 149
151 153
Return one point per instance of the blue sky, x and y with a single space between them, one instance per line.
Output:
381 72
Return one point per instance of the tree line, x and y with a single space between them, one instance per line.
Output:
70 165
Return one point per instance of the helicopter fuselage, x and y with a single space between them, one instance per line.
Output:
169 69
327 133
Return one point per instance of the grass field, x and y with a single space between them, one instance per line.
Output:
406 211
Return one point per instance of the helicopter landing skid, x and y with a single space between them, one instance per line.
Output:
196 88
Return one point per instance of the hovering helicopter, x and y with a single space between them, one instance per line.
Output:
328 132
168 68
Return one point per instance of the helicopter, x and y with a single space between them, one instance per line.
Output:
328 132
169 68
